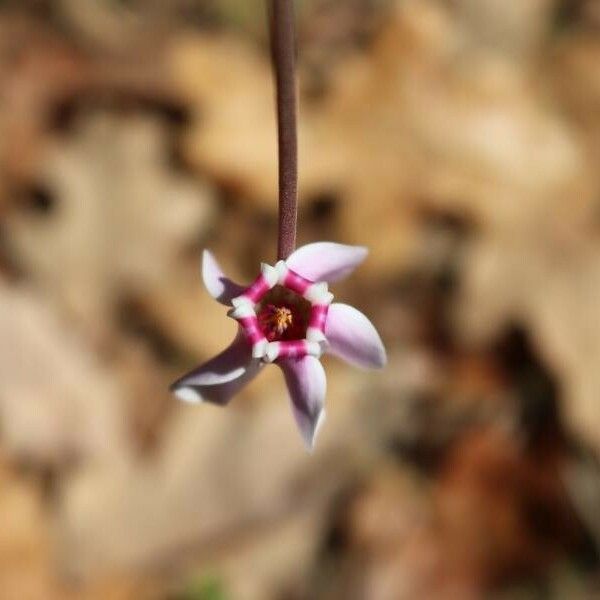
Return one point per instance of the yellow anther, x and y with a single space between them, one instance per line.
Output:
281 319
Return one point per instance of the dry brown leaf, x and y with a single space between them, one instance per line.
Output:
120 218
220 476
57 402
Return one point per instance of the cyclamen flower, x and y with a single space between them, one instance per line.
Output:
286 317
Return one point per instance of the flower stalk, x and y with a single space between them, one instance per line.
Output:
283 47
286 316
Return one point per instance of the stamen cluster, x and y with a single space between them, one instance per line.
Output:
275 320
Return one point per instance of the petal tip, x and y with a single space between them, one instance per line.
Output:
310 437
379 355
186 394
361 253
208 263
380 361
216 283
377 360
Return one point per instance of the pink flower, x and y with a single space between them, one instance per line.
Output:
286 317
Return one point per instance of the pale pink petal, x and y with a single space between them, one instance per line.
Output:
226 366
218 285
307 384
326 261
219 394
352 337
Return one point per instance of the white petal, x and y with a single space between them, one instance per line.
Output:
326 261
218 285
226 366
307 385
352 337
219 394
219 379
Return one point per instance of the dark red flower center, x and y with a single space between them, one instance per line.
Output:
283 315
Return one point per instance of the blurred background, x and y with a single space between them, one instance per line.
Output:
459 140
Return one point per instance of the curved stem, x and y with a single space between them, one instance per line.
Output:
283 48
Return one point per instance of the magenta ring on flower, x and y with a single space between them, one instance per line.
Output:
279 318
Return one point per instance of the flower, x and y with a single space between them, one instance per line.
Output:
287 317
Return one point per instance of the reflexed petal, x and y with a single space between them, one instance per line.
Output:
307 384
352 337
219 394
224 367
326 261
218 285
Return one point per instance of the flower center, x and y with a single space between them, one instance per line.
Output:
283 315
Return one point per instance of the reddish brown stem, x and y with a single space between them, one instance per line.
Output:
283 45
